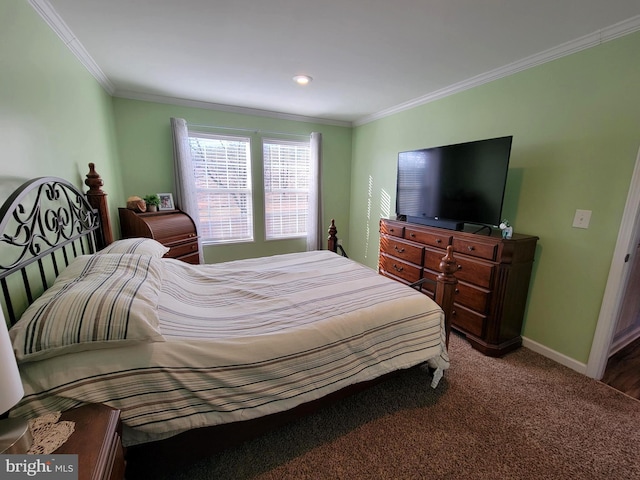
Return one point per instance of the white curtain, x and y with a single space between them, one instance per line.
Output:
314 219
185 193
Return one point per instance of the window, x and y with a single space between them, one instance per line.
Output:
222 167
287 175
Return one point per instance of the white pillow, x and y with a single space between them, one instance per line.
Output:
99 301
140 246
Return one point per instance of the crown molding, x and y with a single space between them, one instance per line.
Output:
591 40
620 29
55 22
183 102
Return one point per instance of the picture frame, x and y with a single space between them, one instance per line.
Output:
166 201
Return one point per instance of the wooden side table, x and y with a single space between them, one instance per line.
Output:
97 442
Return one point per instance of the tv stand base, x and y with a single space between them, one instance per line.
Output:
436 222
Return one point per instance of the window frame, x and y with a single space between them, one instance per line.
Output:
248 191
269 236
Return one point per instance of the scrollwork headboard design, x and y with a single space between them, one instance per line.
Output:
44 224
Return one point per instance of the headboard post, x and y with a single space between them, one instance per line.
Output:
332 240
97 198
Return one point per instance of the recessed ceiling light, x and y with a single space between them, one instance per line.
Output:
302 79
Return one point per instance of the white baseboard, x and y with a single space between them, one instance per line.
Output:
556 356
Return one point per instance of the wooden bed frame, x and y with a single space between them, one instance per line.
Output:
47 222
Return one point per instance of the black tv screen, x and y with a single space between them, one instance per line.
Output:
454 184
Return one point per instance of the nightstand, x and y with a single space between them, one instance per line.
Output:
97 442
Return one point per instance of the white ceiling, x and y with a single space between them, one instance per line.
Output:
367 57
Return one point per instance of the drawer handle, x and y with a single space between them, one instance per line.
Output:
459 267
470 248
438 240
399 250
397 268
194 247
412 235
391 230
453 313
456 291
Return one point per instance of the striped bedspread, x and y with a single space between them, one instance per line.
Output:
246 339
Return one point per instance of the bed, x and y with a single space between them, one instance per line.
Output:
183 349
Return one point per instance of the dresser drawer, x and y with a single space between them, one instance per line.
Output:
402 250
181 249
472 297
397 268
193 258
393 229
484 250
432 259
477 273
427 238
468 320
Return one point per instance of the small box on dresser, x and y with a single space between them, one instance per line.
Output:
493 277
173 228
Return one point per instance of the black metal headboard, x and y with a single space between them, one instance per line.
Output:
44 225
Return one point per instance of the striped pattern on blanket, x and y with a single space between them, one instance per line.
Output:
246 339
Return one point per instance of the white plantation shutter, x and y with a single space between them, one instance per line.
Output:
287 175
222 168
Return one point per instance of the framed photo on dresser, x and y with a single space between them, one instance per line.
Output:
166 201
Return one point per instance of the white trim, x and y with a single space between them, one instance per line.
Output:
609 33
183 102
55 22
618 275
553 355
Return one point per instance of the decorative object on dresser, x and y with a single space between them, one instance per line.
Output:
15 436
173 228
137 204
152 202
165 201
97 442
493 277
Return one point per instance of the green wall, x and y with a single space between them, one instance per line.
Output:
146 155
54 117
575 123
576 128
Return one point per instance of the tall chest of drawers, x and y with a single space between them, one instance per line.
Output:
173 228
493 277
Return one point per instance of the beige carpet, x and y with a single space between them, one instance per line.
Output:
518 417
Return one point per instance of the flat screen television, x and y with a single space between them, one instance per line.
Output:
451 185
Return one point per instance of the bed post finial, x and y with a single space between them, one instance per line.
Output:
97 198
446 287
332 240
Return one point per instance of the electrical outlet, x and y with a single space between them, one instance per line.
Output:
582 218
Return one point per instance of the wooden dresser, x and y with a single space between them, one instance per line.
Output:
173 228
493 277
97 442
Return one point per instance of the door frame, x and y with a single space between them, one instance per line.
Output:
628 238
